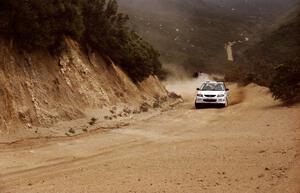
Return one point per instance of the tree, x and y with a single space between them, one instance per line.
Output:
106 30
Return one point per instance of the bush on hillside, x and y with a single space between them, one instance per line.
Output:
40 24
285 84
106 30
44 24
259 63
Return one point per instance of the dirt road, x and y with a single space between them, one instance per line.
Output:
228 48
251 146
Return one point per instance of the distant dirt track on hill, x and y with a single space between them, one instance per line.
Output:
252 146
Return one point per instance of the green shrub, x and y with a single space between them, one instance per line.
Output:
38 23
285 84
106 30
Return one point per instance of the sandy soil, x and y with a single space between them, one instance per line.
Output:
251 146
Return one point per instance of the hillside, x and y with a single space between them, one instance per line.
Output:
56 64
97 24
193 32
256 8
274 60
39 90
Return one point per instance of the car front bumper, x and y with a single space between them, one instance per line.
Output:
215 100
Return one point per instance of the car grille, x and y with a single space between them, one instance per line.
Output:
209 95
209 100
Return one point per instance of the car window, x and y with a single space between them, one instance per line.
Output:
213 87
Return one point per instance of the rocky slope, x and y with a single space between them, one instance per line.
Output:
38 89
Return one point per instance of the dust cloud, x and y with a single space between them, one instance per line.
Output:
183 84
237 94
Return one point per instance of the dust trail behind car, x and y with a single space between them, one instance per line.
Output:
186 87
237 95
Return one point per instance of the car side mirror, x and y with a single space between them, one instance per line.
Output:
198 89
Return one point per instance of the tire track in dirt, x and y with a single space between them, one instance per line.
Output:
247 147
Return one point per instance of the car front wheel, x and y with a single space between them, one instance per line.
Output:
197 106
226 104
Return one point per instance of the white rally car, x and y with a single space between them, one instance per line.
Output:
212 92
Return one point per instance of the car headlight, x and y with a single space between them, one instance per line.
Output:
200 95
221 95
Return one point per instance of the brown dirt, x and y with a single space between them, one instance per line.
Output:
252 146
39 90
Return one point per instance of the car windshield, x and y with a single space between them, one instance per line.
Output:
213 87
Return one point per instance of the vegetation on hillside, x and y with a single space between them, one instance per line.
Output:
275 61
192 33
285 83
35 24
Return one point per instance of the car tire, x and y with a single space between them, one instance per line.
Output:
197 106
225 105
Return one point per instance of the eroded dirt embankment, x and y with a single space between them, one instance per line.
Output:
39 90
